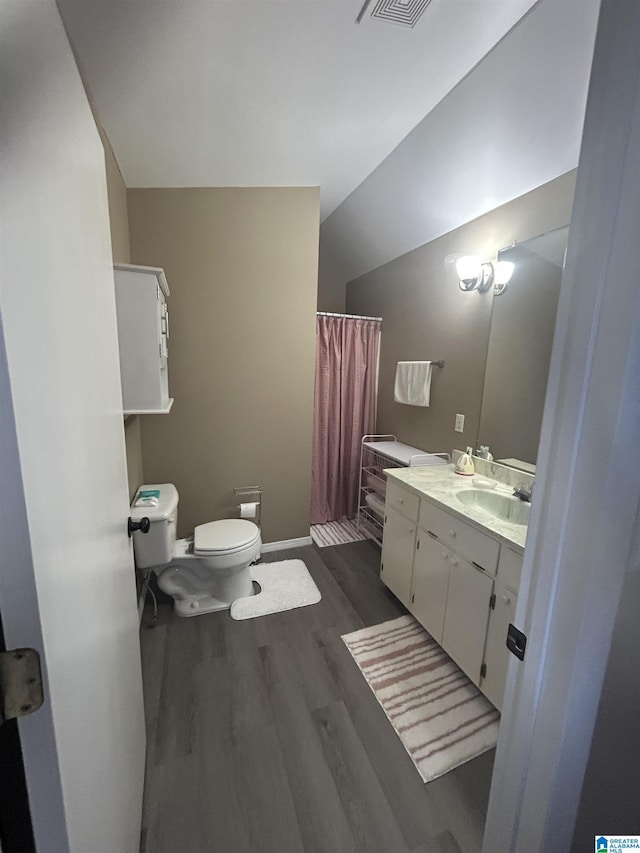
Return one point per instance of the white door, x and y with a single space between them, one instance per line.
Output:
66 571
430 584
466 616
581 561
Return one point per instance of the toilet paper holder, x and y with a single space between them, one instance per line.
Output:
249 502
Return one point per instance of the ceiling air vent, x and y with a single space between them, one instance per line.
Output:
406 13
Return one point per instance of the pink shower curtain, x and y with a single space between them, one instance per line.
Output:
344 411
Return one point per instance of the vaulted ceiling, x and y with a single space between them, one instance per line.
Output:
409 131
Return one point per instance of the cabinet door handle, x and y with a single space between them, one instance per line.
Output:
505 599
452 534
454 562
445 556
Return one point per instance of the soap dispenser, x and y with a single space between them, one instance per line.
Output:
464 465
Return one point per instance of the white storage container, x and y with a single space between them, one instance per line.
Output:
143 338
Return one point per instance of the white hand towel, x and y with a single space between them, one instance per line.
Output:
413 383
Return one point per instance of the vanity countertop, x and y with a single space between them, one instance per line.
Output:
440 484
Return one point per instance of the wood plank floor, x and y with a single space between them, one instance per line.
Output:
263 736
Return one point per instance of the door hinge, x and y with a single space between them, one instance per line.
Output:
483 671
413 597
418 545
20 683
516 641
492 602
382 567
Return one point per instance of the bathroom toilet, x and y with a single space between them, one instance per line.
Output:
204 572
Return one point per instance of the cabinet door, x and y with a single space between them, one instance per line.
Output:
466 616
497 655
430 584
398 545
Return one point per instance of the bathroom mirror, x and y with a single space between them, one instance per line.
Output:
521 334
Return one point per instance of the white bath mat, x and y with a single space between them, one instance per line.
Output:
284 585
337 533
439 715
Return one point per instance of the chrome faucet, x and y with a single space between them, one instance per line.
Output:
524 492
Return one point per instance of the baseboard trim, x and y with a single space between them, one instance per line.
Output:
283 544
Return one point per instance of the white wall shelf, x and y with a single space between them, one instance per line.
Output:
143 339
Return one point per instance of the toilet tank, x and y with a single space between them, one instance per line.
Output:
159 503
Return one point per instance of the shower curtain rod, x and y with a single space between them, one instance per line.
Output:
346 316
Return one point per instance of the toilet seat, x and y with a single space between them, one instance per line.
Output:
225 537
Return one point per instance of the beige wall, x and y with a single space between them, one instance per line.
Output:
242 266
119 221
427 317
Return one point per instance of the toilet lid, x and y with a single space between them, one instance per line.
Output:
229 534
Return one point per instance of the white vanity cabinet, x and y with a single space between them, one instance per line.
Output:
143 334
460 583
398 542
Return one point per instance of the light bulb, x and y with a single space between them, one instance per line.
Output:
503 272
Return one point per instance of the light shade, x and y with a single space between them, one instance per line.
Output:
502 275
473 274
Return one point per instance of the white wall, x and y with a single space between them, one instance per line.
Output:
63 515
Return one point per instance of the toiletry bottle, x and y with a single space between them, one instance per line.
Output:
464 465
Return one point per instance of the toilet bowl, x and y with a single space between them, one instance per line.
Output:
202 573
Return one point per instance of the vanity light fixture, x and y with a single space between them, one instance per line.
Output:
502 276
473 274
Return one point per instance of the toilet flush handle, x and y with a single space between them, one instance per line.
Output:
144 525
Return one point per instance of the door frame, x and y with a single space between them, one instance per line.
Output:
584 518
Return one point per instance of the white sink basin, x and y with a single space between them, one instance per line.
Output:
504 507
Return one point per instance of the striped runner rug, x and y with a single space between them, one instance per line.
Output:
439 715
336 533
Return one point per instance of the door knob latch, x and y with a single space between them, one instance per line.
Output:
144 526
516 641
